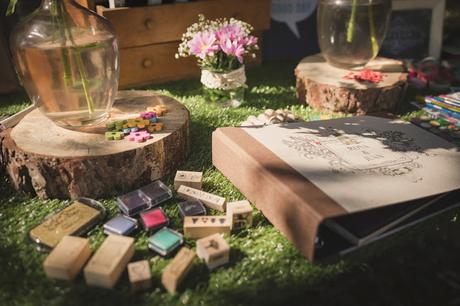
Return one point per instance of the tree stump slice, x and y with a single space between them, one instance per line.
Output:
48 161
323 86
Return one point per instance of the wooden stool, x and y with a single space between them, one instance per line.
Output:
46 160
323 86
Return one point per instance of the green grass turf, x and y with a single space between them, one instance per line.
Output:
421 267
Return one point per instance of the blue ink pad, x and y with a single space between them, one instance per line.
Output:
120 225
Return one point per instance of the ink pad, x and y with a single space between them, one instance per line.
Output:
191 208
157 192
165 241
134 202
154 219
76 219
120 225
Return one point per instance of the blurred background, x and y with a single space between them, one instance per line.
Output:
292 33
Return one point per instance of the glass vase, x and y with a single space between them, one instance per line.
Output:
351 32
67 60
225 88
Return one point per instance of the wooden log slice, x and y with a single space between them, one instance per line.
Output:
323 86
48 161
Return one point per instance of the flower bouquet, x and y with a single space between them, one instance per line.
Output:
220 47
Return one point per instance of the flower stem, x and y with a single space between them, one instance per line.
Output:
374 43
57 20
77 54
84 81
351 22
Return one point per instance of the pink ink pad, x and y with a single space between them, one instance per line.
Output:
154 219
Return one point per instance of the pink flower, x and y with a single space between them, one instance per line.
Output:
231 31
250 41
233 48
203 44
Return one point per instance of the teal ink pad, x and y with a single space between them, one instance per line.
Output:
165 241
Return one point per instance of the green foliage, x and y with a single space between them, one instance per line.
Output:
265 268
220 95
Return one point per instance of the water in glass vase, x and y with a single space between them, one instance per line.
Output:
350 32
73 84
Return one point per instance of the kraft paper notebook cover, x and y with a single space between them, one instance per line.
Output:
349 181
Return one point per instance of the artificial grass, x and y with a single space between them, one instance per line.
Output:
419 268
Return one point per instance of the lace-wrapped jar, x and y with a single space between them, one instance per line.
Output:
227 88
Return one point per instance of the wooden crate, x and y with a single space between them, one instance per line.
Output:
149 36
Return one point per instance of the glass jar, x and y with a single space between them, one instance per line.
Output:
67 60
351 32
225 88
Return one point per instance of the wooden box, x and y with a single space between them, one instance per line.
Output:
148 36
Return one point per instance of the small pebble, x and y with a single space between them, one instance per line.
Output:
274 120
425 125
291 117
435 123
425 118
269 116
262 117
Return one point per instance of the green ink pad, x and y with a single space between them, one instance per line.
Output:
165 241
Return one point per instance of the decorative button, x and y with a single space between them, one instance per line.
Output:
147 63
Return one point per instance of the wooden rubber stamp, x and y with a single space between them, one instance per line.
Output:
201 226
214 250
139 275
177 269
210 200
188 178
67 258
240 213
107 264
